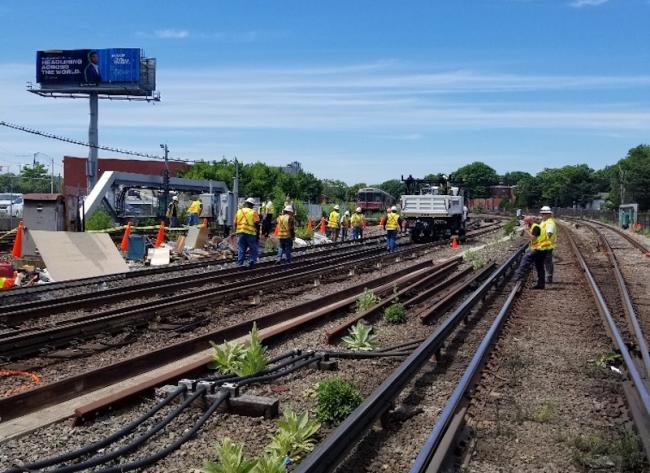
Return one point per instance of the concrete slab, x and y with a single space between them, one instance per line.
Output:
69 255
159 256
196 237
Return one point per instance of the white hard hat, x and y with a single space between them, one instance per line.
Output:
393 209
288 208
546 210
358 209
175 197
347 212
250 200
336 207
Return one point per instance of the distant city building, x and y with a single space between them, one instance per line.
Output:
502 191
293 168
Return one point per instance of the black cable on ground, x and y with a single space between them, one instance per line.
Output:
135 444
93 447
166 451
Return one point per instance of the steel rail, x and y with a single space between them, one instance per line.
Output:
422 462
139 314
145 272
628 306
643 422
22 311
332 450
68 388
637 244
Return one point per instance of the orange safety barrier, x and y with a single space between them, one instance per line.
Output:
35 381
17 251
124 245
161 234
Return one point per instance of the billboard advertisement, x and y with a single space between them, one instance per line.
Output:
88 67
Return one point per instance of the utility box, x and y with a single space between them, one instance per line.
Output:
42 212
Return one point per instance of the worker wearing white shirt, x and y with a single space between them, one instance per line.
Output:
549 228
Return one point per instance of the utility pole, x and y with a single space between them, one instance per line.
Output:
52 175
165 179
235 184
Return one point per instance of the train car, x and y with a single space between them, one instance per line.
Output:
371 198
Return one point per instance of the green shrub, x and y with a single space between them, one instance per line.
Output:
337 398
361 338
269 464
475 259
99 220
366 300
237 358
509 228
304 233
395 313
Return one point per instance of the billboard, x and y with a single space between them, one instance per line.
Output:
88 66
112 71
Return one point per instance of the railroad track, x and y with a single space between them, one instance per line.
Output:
416 279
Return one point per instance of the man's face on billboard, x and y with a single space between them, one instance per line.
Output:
93 58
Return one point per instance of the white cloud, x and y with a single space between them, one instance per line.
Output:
587 3
171 33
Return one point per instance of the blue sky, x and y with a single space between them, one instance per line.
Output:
361 91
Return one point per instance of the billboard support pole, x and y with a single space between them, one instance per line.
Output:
93 141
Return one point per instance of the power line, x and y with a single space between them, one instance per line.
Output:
88 145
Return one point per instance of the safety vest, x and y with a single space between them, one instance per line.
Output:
195 207
551 242
283 226
357 220
245 221
6 283
392 223
536 244
346 221
334 219
269 207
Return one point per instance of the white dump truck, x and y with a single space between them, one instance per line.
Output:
433 212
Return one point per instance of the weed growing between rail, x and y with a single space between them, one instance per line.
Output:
295 437
366 300
337 398
237 358
360 337
395 313
475 259
625 453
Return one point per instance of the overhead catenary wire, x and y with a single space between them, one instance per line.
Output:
112 149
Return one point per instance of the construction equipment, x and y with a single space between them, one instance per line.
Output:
433 209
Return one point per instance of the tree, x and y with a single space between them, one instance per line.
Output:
630 178
394 187
513 178
476 178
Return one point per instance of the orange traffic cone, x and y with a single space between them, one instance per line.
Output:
454 243
382 221
323 225
276 232
365 223
161 234
17 251
310 223
124 245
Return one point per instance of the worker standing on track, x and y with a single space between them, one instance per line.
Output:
286 224
345 224
535 254
392 226
247 227
333 223
193 212
549 228
357 224
172 212
267 223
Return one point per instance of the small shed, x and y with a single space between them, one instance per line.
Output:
42 212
